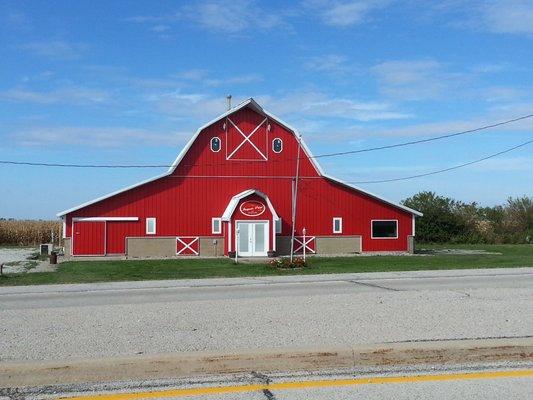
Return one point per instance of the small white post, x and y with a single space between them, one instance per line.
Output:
304 231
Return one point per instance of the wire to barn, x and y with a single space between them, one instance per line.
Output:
365 150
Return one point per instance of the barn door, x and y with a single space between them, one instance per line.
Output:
116 233
88 238
252 238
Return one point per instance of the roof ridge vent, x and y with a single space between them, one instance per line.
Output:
228 98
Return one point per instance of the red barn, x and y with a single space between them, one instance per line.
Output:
232 189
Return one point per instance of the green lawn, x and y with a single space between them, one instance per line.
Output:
129 270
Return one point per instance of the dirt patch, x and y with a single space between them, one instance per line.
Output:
18 260
16 374
456 252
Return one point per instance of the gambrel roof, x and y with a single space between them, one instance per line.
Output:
250 103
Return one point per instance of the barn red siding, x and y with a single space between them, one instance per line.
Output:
117 231
89 238
204 182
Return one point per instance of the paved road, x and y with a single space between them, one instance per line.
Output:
121 319
497 381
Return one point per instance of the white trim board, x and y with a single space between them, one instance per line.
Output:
232 205
256 107
95 219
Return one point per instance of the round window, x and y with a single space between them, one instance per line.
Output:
215 144
277 145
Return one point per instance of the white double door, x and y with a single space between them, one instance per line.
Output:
252 238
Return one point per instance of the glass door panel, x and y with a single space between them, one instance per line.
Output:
244 238
259 238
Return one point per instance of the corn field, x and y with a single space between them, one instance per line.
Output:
29 232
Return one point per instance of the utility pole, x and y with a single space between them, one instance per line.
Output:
295 195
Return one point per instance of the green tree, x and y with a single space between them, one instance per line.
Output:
441 222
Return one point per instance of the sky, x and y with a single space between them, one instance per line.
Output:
100 82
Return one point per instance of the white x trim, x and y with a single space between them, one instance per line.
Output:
187 245
308 240
246 139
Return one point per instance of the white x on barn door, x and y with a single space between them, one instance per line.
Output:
187 245
308 242
246 139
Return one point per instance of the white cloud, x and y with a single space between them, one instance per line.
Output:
15 19
68 95
235 80
416 79
345 13
502 94
193 74
102 137
232 16
497 16
160 28
227 16
56 49
331 63
509 16
187 105
320 105
204 77
505 164
338 133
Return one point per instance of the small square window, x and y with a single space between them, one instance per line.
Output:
278 225
337 225
150 226
216 225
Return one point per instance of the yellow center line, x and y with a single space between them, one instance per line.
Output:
306 384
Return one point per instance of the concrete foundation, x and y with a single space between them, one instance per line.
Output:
338 245
209 249
324 245
68 247
165 247
411 244
151 247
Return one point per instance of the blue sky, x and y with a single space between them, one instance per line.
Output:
129 83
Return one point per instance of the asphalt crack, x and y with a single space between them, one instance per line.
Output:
268 394
266 380
374 286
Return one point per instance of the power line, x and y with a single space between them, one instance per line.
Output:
481 128
377 181
369 149
447 169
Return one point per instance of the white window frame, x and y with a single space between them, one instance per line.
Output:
340 224
211 144
281 140
278 225
383 220
219 230
148 232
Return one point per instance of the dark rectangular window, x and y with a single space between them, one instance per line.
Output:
385 229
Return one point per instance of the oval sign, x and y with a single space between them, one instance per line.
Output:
252 208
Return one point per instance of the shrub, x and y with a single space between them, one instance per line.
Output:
449 220
285 263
